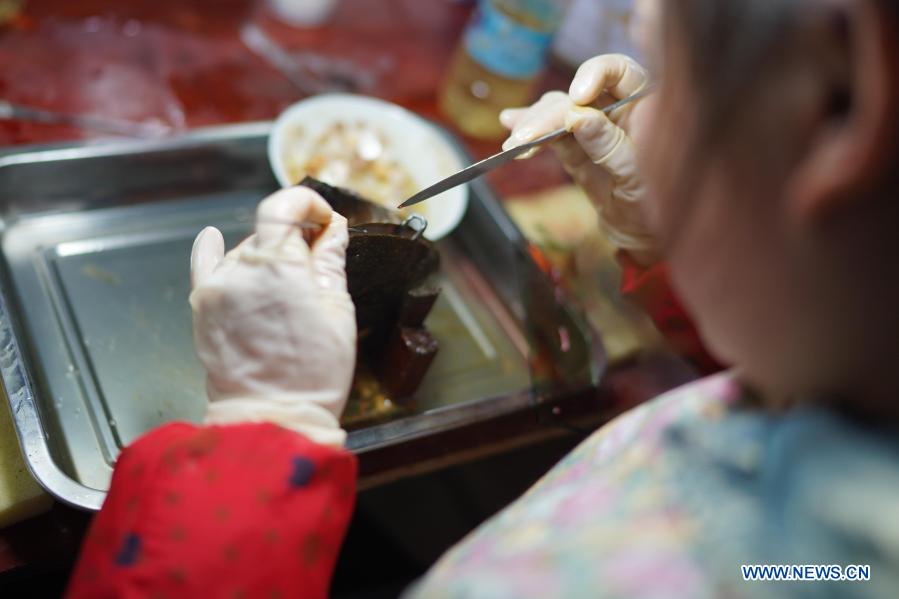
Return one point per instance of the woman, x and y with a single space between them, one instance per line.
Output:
769 153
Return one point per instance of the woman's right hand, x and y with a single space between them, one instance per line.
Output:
600 155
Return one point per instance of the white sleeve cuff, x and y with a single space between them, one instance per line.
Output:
294 412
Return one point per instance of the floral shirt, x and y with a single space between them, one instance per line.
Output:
671 499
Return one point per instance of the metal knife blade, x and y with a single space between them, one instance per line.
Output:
476 170
488 164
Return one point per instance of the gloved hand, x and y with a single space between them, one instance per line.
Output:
273 322
600 156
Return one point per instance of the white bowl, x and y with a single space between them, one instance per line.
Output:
415 143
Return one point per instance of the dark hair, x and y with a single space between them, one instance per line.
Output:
729 43
725 45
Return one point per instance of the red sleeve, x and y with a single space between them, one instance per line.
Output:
250 510
650 287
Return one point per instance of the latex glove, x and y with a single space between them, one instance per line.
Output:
600 156
273 322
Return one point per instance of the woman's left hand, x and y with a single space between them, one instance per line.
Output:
274 324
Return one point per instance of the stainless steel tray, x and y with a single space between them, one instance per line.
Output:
95 342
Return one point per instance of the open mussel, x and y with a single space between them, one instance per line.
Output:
351 205
388 267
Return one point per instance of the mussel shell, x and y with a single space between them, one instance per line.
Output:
383 264
354 207
385 260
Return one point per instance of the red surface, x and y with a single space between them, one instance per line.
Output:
182 64
650 288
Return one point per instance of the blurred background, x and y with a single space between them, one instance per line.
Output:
162 66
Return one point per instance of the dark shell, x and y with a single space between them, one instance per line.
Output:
351 205
381 269
409 354
385 260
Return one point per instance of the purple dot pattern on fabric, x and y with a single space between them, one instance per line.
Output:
302 472
129 552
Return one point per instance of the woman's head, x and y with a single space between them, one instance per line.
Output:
774 174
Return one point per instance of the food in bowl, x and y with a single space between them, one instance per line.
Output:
414 154
349 154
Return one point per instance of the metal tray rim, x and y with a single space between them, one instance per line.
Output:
29 428
10 155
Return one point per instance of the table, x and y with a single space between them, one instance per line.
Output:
183 65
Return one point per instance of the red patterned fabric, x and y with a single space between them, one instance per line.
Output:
250 510
651 289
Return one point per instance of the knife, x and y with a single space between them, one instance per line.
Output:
488 164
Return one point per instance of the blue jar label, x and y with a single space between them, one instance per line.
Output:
502 45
